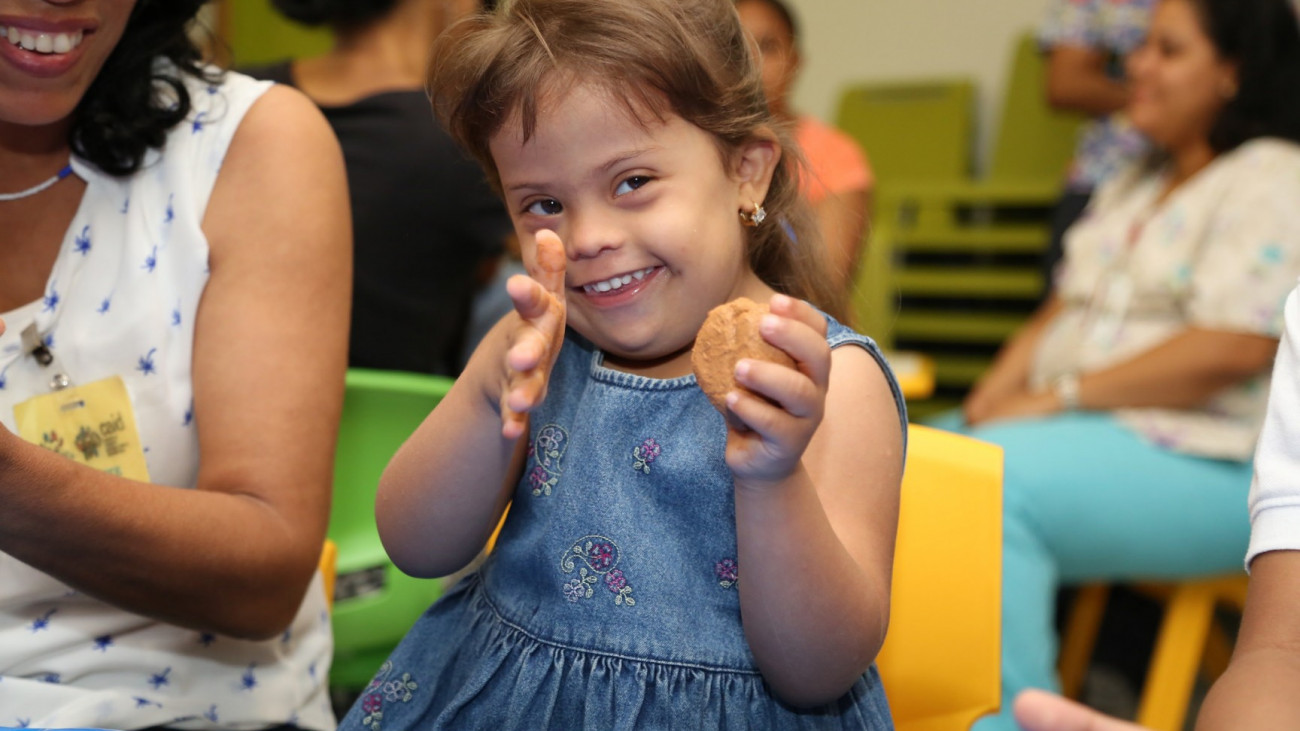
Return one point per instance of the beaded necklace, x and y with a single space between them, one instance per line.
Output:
65 172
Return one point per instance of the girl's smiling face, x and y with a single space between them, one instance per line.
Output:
648 213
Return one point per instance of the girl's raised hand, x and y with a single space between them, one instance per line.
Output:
778 429
535 342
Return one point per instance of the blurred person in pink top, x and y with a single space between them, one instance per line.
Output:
836 178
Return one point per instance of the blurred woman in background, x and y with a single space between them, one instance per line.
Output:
1129 406
428 230
836 179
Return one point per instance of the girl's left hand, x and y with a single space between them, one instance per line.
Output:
780 420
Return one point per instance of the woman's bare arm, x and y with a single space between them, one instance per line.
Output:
235 555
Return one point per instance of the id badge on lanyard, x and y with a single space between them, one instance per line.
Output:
1107 310
93 424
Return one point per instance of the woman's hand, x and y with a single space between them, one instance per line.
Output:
535 342
991 395
1017 405
778 422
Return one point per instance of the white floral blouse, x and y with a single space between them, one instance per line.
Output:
1221 252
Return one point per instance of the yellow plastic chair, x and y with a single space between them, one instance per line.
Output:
1188 640
329 568
940 663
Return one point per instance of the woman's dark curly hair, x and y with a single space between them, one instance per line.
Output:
123 113
1263 38
334 13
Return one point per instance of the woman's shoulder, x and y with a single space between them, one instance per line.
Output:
1262 154
218 104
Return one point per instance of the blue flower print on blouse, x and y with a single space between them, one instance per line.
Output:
158 680
643 455
248 681
42 622
146 365
51 299
384 689
546 452
601 557
82 243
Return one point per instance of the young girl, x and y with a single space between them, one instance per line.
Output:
658 569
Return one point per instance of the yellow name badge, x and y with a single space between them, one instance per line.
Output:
92 424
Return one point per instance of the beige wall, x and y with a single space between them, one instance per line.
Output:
850 40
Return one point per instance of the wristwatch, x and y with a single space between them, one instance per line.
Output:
1066 388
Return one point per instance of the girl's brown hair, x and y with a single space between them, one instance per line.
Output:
685 57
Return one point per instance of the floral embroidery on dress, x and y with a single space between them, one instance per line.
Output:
643 455
727 571
383 690
601 557
546 451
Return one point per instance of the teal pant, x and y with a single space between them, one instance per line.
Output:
1087 499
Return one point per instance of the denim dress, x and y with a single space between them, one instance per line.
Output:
611 598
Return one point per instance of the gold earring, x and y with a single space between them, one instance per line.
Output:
752 219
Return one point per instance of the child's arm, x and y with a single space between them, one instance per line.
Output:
817 483
445 490
1258 691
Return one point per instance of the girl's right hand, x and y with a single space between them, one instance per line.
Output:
534 343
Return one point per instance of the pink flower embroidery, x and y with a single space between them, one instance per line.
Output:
600 555
643 455
727 571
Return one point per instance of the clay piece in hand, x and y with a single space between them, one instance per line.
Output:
730 332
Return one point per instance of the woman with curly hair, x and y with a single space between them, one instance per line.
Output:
174 280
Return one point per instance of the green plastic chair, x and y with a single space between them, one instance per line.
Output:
913 130
374 602
948 241
257 34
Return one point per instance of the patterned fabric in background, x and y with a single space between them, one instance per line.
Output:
1115 27
1221 253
